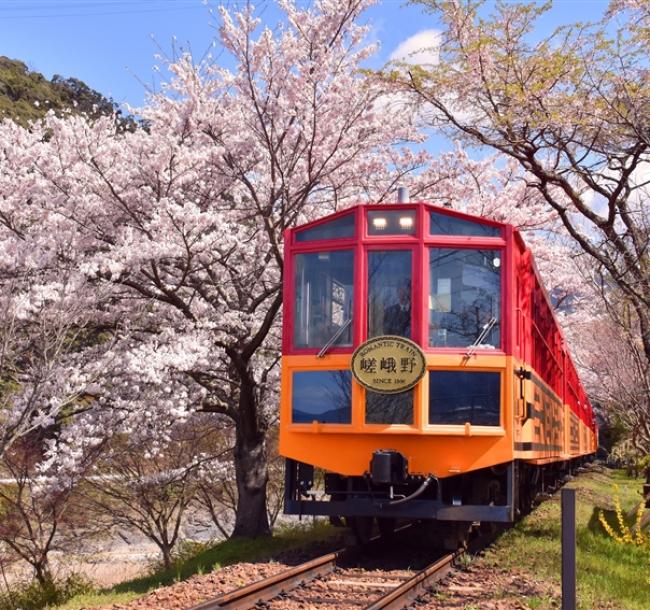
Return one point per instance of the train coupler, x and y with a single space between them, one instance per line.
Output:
389 467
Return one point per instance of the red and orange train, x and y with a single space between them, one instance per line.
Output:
423 370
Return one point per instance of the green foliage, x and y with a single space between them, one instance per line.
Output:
184 552
228 552
643 463
626 454
609 574
26 96
33 596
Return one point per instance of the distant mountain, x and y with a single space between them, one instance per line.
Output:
333 416
26 96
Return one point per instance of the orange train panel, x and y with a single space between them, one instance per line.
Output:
439 455
536 427
551 431
439 450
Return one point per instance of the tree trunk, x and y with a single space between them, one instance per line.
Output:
42 573
166 552
167 556
644 325
251 469
251 460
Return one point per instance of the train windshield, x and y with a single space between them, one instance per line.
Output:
389 293
323 301
458 397
389 408
464 298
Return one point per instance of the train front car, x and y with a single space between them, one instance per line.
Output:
417 372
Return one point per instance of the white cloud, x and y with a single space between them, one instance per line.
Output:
421 48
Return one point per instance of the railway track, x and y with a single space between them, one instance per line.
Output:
326 582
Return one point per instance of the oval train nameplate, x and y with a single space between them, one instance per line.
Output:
388 364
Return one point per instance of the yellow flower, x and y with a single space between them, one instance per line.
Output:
626 534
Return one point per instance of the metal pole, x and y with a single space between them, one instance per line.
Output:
568 549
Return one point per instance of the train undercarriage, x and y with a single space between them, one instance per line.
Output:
388 495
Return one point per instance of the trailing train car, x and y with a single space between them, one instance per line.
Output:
423 371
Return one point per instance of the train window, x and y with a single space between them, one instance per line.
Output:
323 396
389 408
339 228
442 224
391 222
464 298
323 298
389 293
458 397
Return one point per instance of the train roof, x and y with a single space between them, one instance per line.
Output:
473 218
445 211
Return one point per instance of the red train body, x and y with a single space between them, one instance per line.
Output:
495 409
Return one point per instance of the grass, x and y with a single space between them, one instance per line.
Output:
609 574
32 596
222 554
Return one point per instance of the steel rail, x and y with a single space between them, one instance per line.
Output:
405 594
268 588
398 598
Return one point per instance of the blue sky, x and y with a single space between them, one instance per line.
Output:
111 44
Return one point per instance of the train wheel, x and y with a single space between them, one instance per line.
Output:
336 521
448 535
361 528
386 526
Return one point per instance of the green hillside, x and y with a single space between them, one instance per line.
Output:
26 96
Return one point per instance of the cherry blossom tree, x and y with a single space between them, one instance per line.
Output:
44 334
181 226
150 487
169 240
611 358
217 494
571 109
39 515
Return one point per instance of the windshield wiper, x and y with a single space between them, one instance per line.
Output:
334 337
484 333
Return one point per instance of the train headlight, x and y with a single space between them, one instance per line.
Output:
406 222
379 223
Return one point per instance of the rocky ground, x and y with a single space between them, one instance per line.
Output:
183 595
479 586
470 587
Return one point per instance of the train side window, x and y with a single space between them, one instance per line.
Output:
323 396
464 297
459 397
442 224
339 228
389 408
323 298
389 293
